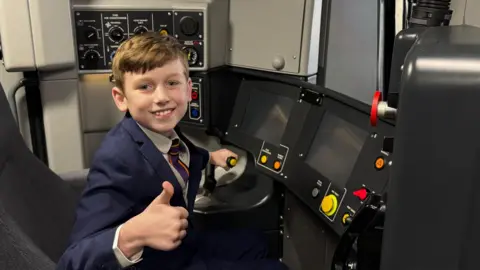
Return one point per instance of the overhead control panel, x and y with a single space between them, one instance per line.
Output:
100 31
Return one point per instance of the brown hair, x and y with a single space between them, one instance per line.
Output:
145 52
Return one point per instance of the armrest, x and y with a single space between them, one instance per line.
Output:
77 179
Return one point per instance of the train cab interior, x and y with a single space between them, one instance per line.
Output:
357 147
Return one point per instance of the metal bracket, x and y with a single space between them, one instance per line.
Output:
310 96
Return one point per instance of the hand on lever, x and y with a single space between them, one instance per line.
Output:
223 158
159 226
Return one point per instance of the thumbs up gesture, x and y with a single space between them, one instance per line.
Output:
159 226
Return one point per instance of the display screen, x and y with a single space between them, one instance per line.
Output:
335 148
266 115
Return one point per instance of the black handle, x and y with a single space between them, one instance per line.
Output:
210 181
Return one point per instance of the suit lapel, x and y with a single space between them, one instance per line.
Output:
155 158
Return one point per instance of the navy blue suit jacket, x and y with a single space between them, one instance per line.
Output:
126 175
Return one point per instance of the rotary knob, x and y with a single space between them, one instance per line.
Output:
90 34
140 30
116 34
91 59
189 26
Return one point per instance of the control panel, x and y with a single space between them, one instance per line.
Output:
272 157
99 33
339 161
195 111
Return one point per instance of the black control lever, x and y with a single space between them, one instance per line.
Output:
365 232
210 181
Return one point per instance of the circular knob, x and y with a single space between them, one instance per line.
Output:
188 26
90 34
278 62
329 204
140 30
116 34
91 59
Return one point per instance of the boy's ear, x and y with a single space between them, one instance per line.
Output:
120 99
189 89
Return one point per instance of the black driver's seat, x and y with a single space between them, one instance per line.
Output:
37 207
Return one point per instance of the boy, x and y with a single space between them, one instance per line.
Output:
144 177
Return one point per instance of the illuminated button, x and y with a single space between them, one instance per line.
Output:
361 194
379 163
194 95
329 204
263 159
194 113
164 32
276 165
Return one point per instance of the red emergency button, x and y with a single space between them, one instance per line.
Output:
194 95
361 194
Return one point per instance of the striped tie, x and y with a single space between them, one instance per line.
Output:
176 162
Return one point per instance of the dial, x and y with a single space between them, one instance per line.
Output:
192 55
140 30
91 58
116 34
91 34
188 26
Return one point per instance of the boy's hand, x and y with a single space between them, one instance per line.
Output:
159 226
219 157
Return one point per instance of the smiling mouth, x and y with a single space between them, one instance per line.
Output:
163 113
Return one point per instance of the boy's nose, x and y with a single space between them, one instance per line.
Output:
160 96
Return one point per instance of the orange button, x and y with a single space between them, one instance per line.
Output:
276 165
163 32
379 163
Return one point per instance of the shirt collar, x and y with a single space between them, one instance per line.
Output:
161 141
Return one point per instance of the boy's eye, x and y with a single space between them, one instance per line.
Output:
173 83
144 86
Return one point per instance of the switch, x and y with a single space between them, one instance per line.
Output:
361 194
388 145
263 159
329 204
346 219
194 95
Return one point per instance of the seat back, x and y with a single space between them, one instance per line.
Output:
37 208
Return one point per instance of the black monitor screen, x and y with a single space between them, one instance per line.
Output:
266 115
335 148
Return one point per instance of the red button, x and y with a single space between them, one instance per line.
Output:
361 194
194 95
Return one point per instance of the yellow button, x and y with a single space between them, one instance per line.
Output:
163 32
379 163
232 162
277 164
263 159
329 204
344 218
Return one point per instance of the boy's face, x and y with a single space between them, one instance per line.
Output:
157 99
